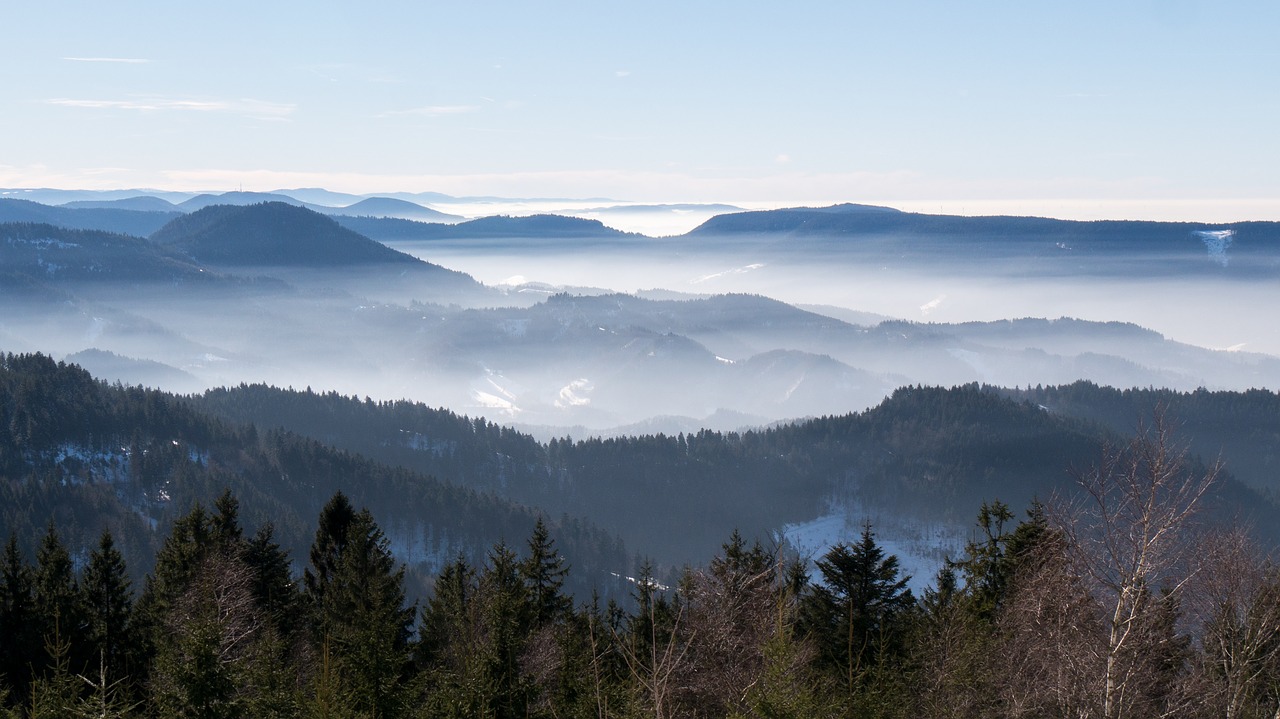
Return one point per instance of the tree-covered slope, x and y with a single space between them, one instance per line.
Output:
931 454
92 456
56 254
105 219
272 234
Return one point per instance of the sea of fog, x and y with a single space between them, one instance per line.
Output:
1210 311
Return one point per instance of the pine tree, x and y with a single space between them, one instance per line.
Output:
224 525
445 631
56 693
987 572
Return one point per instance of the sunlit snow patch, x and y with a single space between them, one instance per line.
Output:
735 271
1217 242
489 401
932 304
572 394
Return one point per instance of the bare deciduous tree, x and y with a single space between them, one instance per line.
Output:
1129 540
1047 661
1237 599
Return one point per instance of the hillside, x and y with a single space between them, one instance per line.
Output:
539 227
927 455
271 234
1139 247
106 219
92 456
389 207
49 253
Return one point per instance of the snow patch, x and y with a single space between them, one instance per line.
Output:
920 549
932 304
736 271
490 401
1216 243
574 394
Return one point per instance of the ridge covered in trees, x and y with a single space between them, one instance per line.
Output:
928 453
90 456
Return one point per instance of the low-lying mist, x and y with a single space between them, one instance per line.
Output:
1203 306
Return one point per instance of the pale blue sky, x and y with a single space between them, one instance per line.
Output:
1140 109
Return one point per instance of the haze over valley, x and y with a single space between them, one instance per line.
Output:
563 327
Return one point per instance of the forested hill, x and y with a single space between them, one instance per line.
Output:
272 234
852 219
535 227
89 456
106 219
49 254
931 454
1241 427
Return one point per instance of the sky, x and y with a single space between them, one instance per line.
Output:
1151 109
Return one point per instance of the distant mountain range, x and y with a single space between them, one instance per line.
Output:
280 289
1051 245
547 228
275 293
853 233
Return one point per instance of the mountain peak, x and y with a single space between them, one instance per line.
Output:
271 234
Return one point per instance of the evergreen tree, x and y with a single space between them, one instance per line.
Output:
273 585
20 650
544 571
56 693
220 656
506 615
856 614
326 550
59 610
445 631
108 606
224 525
985 567
360 610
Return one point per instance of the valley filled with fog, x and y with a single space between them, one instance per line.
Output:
567 327
1206 309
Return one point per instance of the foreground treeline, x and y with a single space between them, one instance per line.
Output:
1115 605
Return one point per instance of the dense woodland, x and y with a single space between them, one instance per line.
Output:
165 559
90 456
1097 610
926 453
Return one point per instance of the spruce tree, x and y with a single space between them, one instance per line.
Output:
105 589
59 610
544 571
21 649
507 615
856 614
361 617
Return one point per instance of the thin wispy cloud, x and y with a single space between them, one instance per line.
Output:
123 60
432 111
250 108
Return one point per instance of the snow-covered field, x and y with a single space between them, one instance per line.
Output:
920 549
